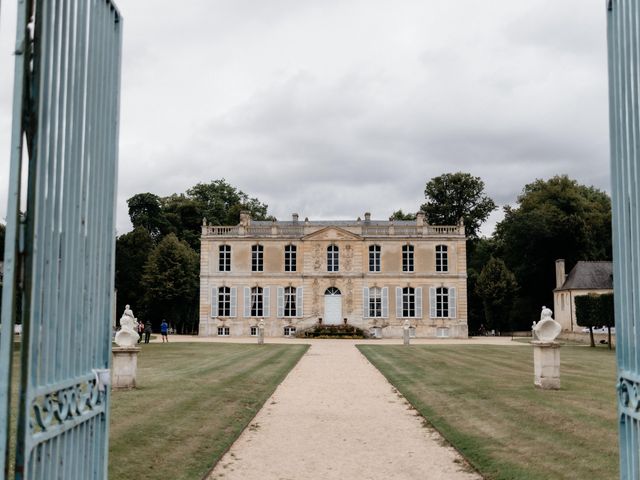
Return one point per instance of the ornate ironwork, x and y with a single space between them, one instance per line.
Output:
629 396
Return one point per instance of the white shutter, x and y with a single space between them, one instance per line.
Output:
214 302
247 301
432 302
234 301
385 302
452 303
365 302
266 291
398 302
419 302
280 302
299 305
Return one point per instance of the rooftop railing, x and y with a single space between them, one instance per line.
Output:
276 230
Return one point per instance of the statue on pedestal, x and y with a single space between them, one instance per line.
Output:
547 329
127 336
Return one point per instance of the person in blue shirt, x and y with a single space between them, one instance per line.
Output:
164 329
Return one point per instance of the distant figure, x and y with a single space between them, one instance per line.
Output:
140 330
147 331
164 329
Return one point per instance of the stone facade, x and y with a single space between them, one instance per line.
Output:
370 274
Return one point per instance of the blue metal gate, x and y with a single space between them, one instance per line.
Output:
59 255
624 117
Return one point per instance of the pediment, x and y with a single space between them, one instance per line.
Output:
332 233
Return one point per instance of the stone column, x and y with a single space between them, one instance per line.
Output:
405 332
260 332
546 365
125 366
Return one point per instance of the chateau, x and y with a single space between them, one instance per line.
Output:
368 273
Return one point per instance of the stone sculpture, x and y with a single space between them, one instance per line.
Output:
546 352
127 335
547 329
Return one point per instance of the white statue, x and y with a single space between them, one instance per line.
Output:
547 329
127 336
406 325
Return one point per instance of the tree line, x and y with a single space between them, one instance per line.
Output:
511 273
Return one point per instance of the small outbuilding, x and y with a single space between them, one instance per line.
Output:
584 279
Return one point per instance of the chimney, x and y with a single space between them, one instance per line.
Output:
367 217
245 218
295 217
420 218
560 275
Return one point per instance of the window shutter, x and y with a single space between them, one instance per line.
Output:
452 303
432 302
398 302
266 296
419 302
280 302
214 302
247 301
385 302
299 305
365 302
234 301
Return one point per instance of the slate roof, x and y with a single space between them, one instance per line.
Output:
589 276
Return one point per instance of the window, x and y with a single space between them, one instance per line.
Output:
333 254
407 258
289 331
224 258
442 302
408 302
442 332
290 302
224 302
290 258
223 331
253 331
375 302
442 262
257 254
257 302
374 258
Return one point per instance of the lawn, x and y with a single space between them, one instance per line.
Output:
482 399
192 402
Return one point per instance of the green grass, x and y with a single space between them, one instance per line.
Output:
482 399
192 402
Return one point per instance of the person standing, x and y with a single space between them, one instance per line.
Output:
140 330
164 329
147 331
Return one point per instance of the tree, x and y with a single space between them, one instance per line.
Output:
184 217
132 251
171 283
556 218
453 196
589 309
145 211
222 203
496 286
479 252
400 215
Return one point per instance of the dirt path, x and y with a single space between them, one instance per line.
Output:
336 417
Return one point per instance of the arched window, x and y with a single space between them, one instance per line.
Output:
290 302
407 258
374 258
333 254
442 302
408 302
257 257
224 302
257 302
375 302
442 260
332 291
224 258
290 258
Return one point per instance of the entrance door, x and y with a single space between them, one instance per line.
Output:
332 306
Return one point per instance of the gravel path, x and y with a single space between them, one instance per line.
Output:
336 417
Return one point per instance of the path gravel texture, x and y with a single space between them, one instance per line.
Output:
336 417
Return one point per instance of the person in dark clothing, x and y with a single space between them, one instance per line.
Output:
147 331
140 331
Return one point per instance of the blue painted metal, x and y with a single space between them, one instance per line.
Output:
66 106
623 17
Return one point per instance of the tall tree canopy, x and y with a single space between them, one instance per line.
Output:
497 286
453 196
132 251
555 218
400 215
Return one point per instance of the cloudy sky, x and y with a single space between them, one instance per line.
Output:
331 108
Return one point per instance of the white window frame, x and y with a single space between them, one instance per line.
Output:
257 258
374 305
257 302
224 331
333 258
408 258
290 297
226 304
253 331
437 297
374 258
224 258
442 332
289 331
290 258
442 258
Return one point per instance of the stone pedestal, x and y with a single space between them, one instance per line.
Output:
125 366
260 335
546 365
405 336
